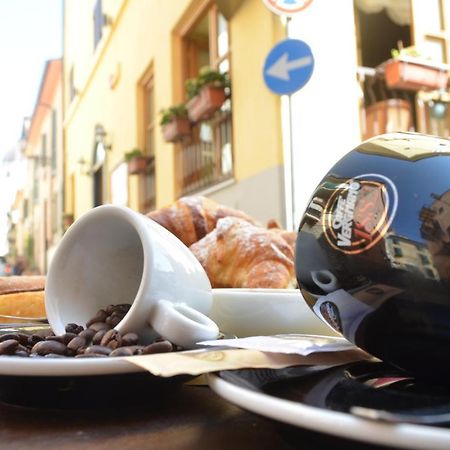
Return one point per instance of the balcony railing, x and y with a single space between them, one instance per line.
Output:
207 159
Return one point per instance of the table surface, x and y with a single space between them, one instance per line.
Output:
191 417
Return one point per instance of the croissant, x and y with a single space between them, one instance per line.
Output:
289 236
22 296
242 255
191 218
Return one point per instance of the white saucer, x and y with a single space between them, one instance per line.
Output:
31 367
401 435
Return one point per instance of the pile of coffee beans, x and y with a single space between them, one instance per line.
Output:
98 339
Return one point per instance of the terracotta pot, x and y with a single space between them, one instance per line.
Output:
136 165
206 103
176 130
414 75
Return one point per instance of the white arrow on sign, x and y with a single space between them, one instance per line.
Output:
281 67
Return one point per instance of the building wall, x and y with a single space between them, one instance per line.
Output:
325 115
141 36
43 224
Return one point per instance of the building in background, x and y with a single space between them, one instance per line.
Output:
39 204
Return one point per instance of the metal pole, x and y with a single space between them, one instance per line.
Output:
286 114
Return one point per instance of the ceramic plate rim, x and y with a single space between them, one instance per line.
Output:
32 367
403 435
257 291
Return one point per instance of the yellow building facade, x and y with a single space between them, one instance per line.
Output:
133 60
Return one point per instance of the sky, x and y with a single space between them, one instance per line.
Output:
30 34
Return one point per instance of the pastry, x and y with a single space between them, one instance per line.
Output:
289 236
239 254
22 296
191 218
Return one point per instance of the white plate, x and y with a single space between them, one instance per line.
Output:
265 312
402 435
30 367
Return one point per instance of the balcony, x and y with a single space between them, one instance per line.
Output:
207 159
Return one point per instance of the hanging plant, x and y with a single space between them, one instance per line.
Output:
137 161
175 123
206 93
407 69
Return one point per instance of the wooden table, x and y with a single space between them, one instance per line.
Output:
191 417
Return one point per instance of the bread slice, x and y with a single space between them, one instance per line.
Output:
22 296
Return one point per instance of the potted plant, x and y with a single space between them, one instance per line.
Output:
137 161
206 93
175 123
67 220
407 69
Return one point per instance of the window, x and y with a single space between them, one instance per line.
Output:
97 164
207 159
398 252
54 214
72 88
35 181
147 189
98 22
43 149
53 142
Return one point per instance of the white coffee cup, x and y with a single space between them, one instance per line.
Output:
114 255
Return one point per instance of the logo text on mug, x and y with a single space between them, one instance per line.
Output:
359 212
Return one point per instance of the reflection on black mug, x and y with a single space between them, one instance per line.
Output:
373 250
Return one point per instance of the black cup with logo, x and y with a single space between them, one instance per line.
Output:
373 251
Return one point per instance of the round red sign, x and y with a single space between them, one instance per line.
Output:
287 7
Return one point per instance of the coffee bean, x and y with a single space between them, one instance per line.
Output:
158 347
97 326
114 319
74 328
98 337
111 339
130 339
120 308
75 344
5 337
98 349
100 316
87 334
45 347
134 349
8 347
34 339
63 338
122 351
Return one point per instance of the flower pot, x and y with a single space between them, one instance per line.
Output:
415 74
176 130
137 165
206 103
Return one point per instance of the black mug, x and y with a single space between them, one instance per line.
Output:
373 251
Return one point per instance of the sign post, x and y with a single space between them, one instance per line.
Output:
288 70
288 67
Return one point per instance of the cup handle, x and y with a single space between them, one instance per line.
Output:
181 324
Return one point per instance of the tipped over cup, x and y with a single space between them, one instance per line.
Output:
114 255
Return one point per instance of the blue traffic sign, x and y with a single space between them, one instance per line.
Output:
288 66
